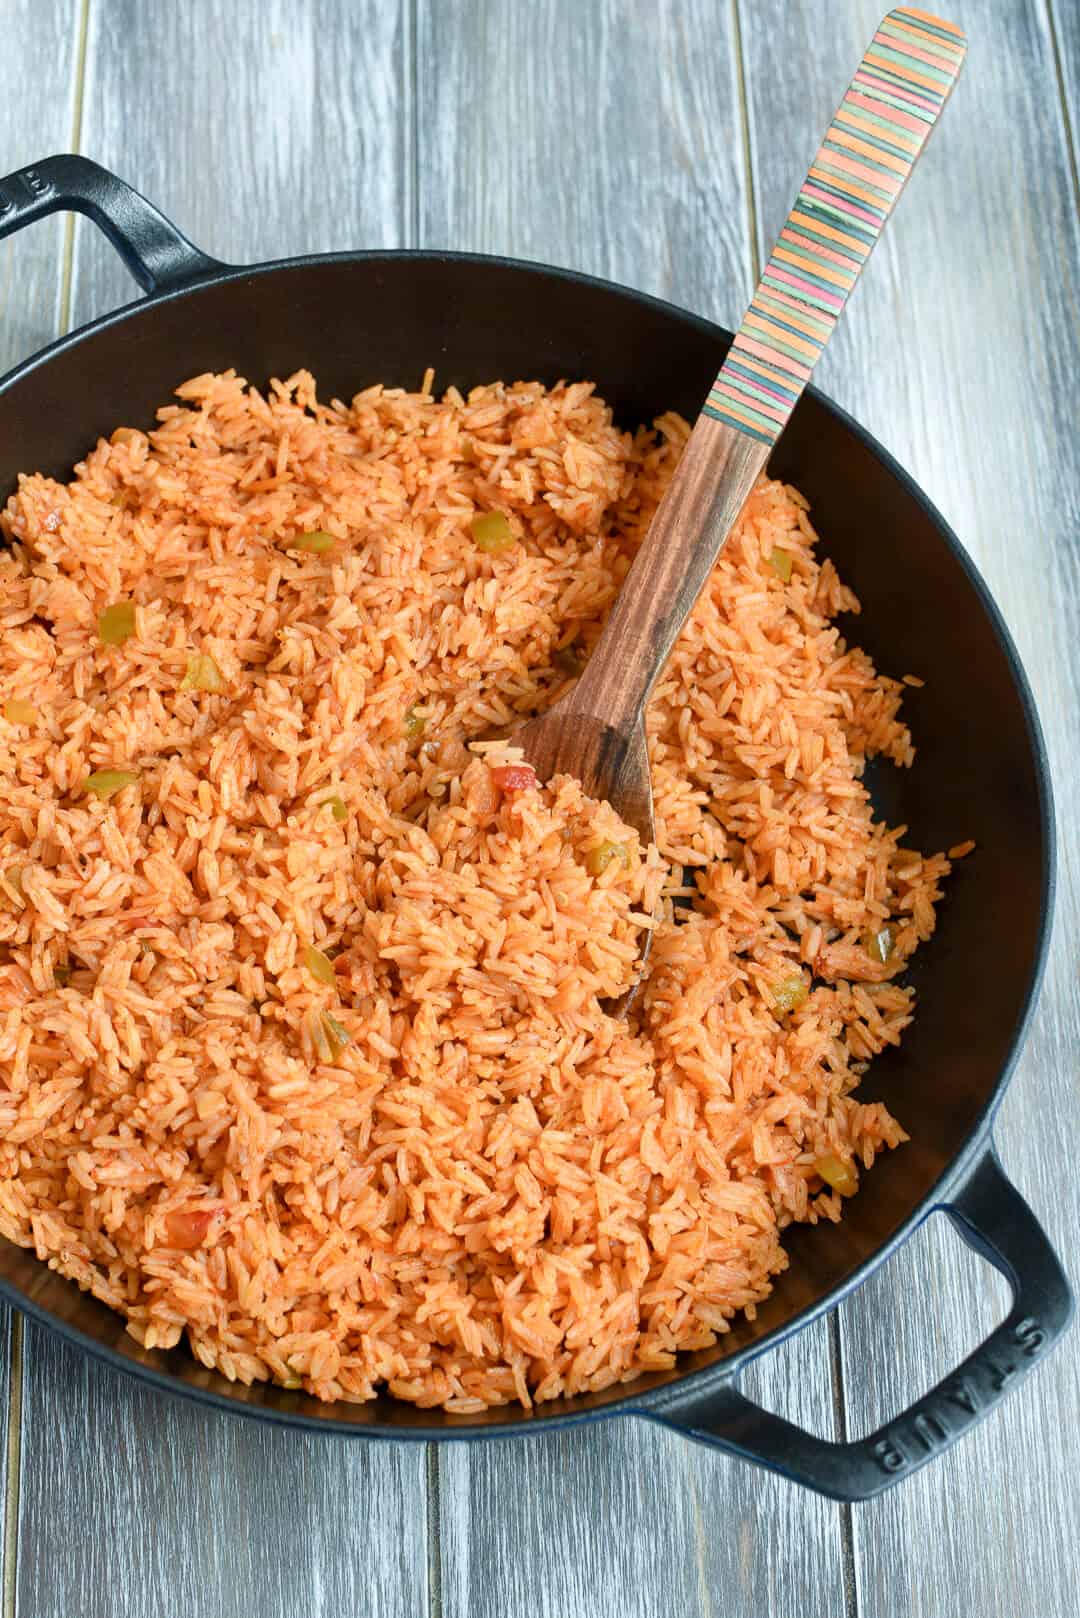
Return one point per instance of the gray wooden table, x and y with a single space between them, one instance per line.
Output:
658 142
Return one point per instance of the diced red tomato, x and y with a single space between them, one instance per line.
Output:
128 920
186 1227
513 777
15 987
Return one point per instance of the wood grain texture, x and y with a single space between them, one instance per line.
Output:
604 136
607 136
37 95
961 350
260 129
138 1506
31 314
265 130
596 732
624 1520
715 476
1065 34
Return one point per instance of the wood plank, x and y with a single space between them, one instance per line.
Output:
262 130
136 1504
594 136
622 1519
1065 33
544 198
31 314
600 137
32 126
959 349
133 1503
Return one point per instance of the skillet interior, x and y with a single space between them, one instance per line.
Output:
357 319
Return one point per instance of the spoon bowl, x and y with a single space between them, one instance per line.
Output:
608 763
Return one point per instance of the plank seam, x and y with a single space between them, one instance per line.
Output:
434 1533
412 126
14 1466
1059 74
748 162
68 270
14 1446
847 1523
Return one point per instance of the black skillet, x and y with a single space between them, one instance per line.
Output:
357 318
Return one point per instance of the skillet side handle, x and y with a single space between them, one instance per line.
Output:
158 255
996 1222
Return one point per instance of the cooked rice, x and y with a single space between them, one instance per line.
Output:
495 1191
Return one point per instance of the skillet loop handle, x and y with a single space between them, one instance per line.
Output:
158 255
996 1222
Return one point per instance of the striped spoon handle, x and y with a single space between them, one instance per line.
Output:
871 147
869 151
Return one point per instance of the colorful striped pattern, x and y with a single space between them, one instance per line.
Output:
871 147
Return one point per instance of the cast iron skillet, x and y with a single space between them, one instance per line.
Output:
358 318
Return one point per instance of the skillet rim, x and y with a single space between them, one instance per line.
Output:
701 1380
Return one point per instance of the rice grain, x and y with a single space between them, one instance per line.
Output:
478 1187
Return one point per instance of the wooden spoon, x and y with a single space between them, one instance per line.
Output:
596 732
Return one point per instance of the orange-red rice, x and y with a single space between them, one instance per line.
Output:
495 1191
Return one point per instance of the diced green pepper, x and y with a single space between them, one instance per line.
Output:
790 993
103 783
202 674
319 965
317 542
597 860
492 533
116 624
879 945
337 1036
840 1175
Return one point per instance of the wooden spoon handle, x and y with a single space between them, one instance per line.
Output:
871 147
869 151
